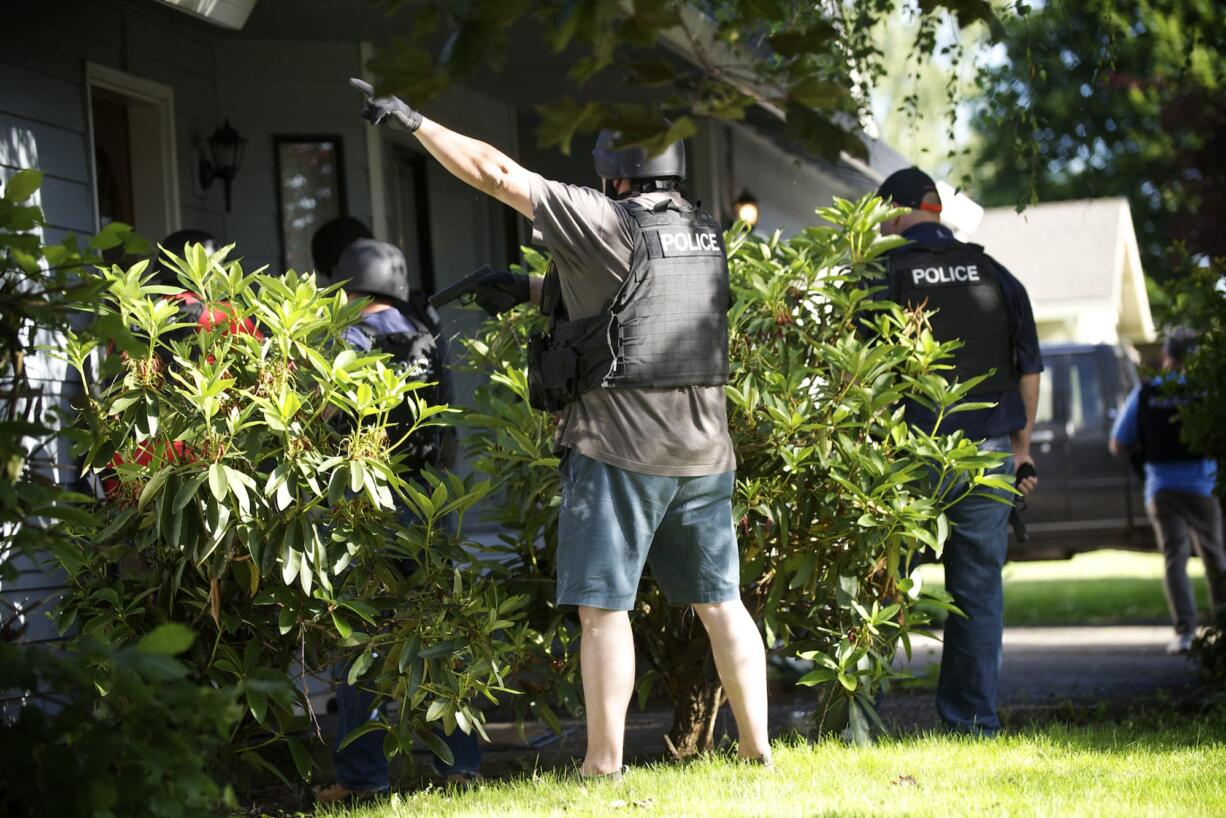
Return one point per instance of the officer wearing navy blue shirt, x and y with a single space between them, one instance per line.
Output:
977 301
1179 485
377 271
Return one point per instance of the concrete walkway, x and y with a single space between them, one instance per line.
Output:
1056 668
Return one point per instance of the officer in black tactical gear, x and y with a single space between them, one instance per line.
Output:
635 362
980 303
334 236
376 270
1179 488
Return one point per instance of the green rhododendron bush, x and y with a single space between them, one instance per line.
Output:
253 489
255 519
835 494
86 727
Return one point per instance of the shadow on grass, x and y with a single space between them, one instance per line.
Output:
1159 724
1096 601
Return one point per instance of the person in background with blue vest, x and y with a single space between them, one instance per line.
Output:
1178 490
376 270
647 466
978 302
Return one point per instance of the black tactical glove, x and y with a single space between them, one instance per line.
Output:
392 110
499 290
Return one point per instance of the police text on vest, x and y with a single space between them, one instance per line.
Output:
689 242
961 273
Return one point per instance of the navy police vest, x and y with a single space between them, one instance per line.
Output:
961 283
1158 426
416 356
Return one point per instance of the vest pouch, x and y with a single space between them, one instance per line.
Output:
536 388
552 373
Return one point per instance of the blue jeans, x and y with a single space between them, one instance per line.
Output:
363 766
974 556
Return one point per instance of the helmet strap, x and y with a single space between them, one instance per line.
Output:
608 189
663 184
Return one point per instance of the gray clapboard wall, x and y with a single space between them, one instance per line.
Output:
44 125
266 87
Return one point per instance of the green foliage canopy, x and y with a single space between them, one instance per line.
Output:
1199 301
100 730
40 287
254 491
811 62
131 732
1114 98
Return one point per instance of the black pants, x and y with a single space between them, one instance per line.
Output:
1179 521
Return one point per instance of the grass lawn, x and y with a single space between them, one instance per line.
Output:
1158 769
1101 587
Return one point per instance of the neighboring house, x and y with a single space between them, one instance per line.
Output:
115 101
1080 264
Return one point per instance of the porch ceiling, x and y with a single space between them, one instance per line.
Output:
533 71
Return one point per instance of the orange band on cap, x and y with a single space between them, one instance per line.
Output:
931 208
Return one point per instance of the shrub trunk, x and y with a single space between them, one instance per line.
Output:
697 696
680 652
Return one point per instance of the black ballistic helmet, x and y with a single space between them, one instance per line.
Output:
634 163
374 268
176 242
331 239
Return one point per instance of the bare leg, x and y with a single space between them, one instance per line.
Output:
741 660
606 661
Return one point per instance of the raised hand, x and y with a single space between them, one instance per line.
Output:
391 110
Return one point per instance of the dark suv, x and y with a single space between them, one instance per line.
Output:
1087 498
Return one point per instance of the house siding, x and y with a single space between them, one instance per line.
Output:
266 87
44 125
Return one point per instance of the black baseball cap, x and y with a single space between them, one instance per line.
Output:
909 188
332 238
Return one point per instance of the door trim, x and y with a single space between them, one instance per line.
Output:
162 98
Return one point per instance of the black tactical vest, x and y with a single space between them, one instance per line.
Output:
961 283
416 356
667 326
1158 426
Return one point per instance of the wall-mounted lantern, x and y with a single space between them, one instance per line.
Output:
226 152
746 208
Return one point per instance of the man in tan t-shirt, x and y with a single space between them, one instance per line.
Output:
648 473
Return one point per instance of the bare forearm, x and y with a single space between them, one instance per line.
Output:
478 164
1028 386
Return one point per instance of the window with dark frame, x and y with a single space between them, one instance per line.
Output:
310 192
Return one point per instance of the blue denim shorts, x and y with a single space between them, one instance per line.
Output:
613 522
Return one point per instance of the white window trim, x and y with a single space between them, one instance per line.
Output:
148 91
